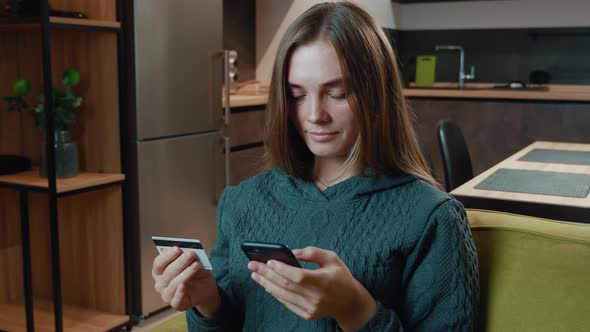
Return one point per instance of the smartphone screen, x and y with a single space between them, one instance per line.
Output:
264 251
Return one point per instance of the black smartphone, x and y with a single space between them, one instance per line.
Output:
264 251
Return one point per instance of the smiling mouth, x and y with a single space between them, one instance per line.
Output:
317 133
321 136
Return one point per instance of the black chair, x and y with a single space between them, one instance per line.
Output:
454 153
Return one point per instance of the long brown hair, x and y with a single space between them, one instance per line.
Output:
387 140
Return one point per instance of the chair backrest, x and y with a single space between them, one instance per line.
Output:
454 153
534 272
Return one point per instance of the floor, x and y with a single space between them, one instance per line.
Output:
155 319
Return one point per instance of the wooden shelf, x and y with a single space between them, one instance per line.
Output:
85 22
33 23
31 179
90 205
12 318
10 23
246 100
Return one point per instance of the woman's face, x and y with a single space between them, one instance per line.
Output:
318 103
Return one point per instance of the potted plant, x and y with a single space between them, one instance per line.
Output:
64 103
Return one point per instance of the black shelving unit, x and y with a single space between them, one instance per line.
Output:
46 26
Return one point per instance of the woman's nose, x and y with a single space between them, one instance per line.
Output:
317 112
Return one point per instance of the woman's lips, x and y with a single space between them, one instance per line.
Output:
317 136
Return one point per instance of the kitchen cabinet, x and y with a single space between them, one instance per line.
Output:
245 163
495 129
246 133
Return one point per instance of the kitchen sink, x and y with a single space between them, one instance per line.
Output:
451 88
497 87
523 88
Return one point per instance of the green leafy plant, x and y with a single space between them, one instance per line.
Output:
64 101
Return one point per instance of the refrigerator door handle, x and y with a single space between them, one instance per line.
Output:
226 55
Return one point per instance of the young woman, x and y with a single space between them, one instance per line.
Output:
346 184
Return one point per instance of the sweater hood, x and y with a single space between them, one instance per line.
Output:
352 188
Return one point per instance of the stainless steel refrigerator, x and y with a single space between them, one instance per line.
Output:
175 159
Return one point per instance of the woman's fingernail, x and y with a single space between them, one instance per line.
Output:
254 276
270 263
297 251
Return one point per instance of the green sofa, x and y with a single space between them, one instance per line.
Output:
534 274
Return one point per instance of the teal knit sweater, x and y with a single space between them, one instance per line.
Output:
408 243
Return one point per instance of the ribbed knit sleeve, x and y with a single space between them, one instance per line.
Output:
440 279
228 318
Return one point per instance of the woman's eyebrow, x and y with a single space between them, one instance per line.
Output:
294 86
335 82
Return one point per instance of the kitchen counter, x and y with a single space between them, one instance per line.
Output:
485 91
472 91
246 100
245 132
560 113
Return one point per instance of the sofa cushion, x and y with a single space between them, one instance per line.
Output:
534 272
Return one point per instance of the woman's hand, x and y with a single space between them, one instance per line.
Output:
329 291
183 283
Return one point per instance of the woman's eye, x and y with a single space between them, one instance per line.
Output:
337 95
297 98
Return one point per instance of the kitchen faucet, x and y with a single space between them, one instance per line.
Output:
462 76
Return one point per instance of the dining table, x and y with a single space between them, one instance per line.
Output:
544 179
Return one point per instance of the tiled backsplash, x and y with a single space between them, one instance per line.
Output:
501 55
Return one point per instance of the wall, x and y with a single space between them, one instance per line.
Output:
506 43
502 55
274 17
495 14
505 40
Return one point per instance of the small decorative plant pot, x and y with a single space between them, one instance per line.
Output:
66 156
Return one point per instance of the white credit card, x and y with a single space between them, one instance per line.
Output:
184 244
